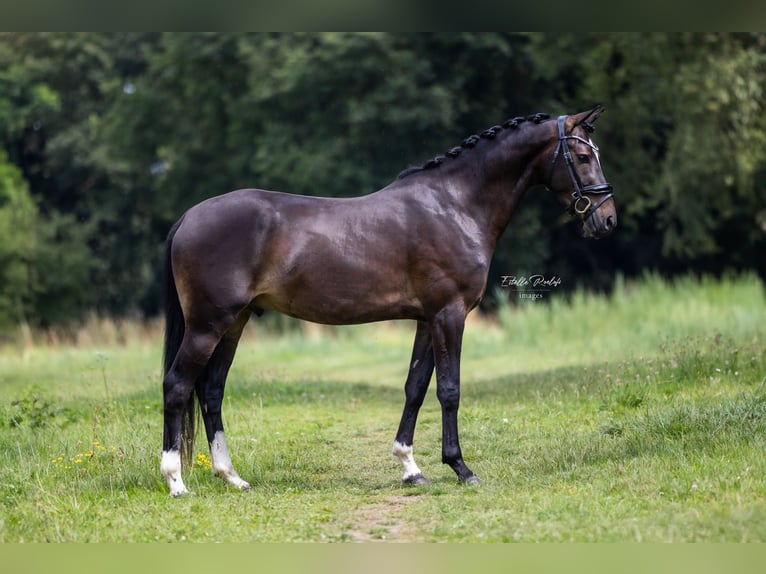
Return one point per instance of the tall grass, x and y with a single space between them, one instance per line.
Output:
639 316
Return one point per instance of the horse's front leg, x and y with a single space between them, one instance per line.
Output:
447 332
418 378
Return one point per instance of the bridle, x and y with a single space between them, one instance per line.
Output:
581 203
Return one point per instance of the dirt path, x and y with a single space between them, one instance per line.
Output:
386 521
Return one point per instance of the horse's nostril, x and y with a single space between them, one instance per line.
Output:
610 222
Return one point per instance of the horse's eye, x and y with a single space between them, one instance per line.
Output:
582 158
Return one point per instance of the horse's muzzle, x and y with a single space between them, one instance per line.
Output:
597 226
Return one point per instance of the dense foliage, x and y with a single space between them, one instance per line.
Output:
108 138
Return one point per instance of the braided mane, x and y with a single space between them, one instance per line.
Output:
472 140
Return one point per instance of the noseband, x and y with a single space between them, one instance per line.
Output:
581 203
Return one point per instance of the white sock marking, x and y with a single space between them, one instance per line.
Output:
170 467
404 454
221 462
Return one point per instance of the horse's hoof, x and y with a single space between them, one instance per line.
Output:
473 480
416 480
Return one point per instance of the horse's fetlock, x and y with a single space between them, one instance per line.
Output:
452 456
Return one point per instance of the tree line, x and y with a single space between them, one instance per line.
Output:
108 137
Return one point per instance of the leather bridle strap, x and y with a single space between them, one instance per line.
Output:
581 203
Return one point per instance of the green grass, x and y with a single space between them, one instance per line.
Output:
635 417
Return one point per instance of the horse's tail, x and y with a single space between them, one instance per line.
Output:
174 334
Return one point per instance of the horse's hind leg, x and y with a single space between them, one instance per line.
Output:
418 378
210 388
178 386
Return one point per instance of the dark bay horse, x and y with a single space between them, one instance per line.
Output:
418 249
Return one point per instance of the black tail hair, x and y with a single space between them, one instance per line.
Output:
174 334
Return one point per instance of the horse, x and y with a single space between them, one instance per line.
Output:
418 249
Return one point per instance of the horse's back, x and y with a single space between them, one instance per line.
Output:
322 259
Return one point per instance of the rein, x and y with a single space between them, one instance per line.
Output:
581 203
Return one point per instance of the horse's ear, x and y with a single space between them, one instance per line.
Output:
593 114
586 118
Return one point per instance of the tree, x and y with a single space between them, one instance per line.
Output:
110 137
685 140
17 245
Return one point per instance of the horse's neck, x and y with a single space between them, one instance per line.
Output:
509 168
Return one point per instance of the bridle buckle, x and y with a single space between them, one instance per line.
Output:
582 210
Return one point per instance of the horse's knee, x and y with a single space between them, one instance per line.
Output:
449 396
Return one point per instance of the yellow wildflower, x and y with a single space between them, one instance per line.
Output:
203 461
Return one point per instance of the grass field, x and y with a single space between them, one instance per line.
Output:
635 417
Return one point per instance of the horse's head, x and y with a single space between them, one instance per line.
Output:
576 176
